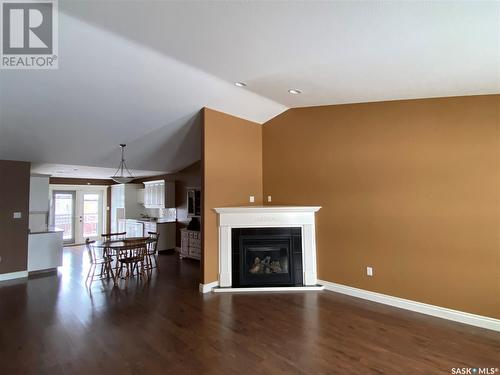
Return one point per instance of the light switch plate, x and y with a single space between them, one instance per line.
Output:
369 271
252 199
269 198
17 215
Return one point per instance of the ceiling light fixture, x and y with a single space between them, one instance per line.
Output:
240 84
121 178
294 91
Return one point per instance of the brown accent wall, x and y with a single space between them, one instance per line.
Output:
411 188
189 177
232 171
14 193
79 181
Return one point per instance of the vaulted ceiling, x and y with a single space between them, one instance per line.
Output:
139 72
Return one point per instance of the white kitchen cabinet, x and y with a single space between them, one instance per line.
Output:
39 203
159 194
140 196
39 194
134 228
45 251
154 194
124 204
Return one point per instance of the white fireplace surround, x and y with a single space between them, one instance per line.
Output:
266 217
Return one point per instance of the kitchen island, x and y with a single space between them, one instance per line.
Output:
45 250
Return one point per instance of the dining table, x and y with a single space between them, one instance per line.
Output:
112 249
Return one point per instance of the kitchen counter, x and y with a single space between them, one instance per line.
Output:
157 221
50 229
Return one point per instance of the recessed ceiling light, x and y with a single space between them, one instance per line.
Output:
294 91
240 84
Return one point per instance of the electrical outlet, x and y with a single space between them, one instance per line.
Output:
252 199
269 198
17 215
369 271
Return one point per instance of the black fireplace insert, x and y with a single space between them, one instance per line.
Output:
266 257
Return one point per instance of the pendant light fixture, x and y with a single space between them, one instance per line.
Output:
121 178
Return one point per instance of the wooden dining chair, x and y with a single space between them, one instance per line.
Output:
114 236
97 258
151 251
131 258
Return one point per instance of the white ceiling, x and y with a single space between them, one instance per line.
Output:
82 171
139 71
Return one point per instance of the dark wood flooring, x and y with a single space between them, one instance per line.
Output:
54 325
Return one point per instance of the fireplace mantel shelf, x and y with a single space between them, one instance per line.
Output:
265 209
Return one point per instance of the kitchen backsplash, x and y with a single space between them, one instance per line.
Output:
162 213
168 213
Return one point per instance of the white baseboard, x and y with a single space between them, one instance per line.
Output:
287 289
13 275
207 288
423 308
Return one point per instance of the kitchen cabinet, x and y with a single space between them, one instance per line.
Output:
190 244
140 196
154 194
39 194
166 232
39 203
45 251
159 194
124 204
134 228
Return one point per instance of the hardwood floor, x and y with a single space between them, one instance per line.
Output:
54 325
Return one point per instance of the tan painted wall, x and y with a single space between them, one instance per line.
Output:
411 188
232 171
14 197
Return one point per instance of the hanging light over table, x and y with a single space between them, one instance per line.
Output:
119 176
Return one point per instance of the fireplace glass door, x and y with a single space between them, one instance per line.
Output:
265 261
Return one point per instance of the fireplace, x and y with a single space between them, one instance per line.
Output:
281 237
266 257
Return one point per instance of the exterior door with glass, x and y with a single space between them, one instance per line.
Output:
64 211
89 215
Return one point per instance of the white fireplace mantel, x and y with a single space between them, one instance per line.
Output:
267 216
